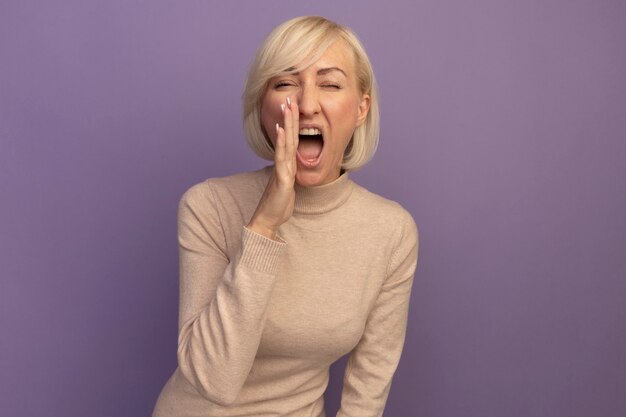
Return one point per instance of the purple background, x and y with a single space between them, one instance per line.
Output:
502 132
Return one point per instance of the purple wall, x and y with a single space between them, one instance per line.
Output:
503 133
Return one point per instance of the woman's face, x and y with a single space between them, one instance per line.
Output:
331 106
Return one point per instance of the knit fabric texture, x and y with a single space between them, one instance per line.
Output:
262 320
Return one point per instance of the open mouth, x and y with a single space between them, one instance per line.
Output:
310 146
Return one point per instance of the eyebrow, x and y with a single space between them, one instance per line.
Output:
321 71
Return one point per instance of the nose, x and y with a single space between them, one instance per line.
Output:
308 101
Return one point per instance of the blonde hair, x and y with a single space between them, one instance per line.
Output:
304 40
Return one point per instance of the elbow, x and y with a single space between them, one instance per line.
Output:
222 398
221 390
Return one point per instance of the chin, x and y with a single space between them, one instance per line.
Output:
309 179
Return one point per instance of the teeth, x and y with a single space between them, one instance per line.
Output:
309 131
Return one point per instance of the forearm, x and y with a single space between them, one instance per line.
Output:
218 344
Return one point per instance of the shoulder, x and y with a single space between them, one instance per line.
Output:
232 187
387 214
219 207
393 227
398 226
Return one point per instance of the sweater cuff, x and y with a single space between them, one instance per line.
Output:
259 252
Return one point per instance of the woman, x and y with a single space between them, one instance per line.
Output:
286 269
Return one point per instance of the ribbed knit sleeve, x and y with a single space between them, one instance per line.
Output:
223 302
373 361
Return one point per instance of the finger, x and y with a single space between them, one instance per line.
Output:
279 152
295 117
280 132
289 138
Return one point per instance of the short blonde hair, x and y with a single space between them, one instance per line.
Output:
304 40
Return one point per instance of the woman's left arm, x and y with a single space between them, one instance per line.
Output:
373 361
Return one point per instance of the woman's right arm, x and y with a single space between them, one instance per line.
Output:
223 302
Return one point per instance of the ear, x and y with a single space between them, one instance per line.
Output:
364 108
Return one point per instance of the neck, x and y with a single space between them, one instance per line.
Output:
323 198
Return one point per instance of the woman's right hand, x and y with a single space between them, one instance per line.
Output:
277 202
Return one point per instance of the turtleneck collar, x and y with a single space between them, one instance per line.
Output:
320 199
323 198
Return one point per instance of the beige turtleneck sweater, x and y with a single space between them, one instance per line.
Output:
261 321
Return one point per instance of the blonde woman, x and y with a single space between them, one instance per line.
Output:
286 269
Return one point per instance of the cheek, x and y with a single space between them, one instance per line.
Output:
269 117
346 115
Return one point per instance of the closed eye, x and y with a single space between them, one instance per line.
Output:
282 84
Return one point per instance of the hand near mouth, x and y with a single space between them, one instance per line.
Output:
277 202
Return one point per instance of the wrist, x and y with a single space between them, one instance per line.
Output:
261 229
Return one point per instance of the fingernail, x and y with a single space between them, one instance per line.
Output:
276 127
282 108
289 102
